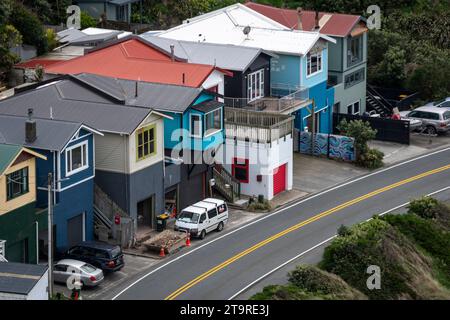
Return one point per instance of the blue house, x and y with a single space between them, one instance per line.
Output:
69 149
298 76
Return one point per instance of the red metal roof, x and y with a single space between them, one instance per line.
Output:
337 25
33 63
135 60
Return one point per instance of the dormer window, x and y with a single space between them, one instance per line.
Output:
314 63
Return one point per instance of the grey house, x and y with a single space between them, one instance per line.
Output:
129 157
115 10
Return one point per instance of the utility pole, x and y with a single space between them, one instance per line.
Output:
50 236
313 125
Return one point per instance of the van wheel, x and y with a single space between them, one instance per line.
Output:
220 227
202 234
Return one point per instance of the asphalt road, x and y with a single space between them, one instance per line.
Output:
222 267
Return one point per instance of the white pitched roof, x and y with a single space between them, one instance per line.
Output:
226 26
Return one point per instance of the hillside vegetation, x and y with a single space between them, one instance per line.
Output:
412 251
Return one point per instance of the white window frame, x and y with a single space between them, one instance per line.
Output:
200 128
250 78
353 107
68 158
319 65
213 132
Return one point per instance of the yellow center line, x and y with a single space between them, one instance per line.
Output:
321 215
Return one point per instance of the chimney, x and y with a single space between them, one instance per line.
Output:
299 15
30 128
317 26
172 52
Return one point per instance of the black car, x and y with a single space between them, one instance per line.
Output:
105 256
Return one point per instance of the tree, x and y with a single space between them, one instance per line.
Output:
87 21
29 25
9 38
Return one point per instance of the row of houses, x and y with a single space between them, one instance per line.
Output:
142 121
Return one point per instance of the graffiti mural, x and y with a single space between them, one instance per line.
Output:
340 147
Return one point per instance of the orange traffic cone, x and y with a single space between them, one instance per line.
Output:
188 239
162 252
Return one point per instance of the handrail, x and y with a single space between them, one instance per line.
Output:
223 178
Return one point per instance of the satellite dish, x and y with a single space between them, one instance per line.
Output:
247 30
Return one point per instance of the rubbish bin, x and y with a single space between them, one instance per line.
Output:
161 222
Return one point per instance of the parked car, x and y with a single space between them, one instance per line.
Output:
202 217
105 256
445 103
434 119
90 276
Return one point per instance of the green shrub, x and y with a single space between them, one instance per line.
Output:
259 206
372 159
87 21
277 292
423 207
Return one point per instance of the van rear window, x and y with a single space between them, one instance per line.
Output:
222 208
116 252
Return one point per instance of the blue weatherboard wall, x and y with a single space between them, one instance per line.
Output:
171 137
285 70
77 196
324 100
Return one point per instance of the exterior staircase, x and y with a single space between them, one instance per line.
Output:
3 251
227 185
377 103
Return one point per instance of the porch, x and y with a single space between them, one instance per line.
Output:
283 99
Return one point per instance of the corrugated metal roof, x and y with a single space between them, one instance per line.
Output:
51 134
20 278
7 154
134 60
33 63
229 57
335 24
226 26
207 106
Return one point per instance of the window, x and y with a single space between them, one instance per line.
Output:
76 158
354 50
212 213
146 142
213 121
255 85
222 208
314 63
353 108
196 126
17 183
446 115
61 268
240 169
354 78
202 218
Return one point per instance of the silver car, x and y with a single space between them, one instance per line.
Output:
434 119
89 275
444 103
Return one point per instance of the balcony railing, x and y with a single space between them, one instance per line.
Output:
283 99
259 127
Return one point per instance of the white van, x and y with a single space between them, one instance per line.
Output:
203 217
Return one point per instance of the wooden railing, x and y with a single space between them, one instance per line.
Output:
259 127
227 185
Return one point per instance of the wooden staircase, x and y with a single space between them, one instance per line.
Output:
227 185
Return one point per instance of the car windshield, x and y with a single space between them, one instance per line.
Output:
188 216
88 268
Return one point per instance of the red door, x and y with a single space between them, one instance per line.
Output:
279 179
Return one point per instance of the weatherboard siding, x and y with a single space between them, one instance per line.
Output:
110 152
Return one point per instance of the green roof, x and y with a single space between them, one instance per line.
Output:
7 154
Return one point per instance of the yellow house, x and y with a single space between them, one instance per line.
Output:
19 222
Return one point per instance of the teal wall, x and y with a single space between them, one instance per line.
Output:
19 226
285 69
172 134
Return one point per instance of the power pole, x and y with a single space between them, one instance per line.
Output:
313 125
50 236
